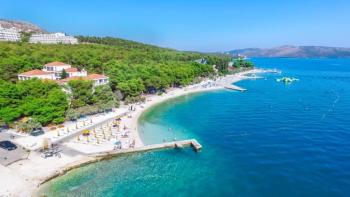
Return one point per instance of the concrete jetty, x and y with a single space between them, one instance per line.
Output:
234 87
196 145
166 145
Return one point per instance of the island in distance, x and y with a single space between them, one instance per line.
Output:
294 52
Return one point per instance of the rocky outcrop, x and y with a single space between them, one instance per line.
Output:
22 26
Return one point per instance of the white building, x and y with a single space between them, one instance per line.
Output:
36 74
96 78
53 71
74 72
58 67
53 38
11 34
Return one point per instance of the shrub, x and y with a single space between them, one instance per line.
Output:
29 125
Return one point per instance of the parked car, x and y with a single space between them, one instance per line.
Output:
7 145
37 132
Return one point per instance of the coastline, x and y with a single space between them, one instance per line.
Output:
153 100
26 176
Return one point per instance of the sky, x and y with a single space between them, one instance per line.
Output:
197 25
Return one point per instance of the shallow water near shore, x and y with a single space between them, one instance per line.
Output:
275 139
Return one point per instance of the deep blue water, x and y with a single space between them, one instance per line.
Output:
273 140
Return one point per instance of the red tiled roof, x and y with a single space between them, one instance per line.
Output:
71 70
56 64
95 76
72 78
35 72
89 77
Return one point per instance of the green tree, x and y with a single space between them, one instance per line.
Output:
134 68
240 63
64 74
81 93
42 100
25 36
29 126
104 98
132 87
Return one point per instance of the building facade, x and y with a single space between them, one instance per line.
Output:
53 38
36 74
12 34
74 72
56 68
98 79
53 71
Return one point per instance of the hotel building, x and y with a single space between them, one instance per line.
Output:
12 34
53 38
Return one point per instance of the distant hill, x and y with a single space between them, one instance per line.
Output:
294 51
22 26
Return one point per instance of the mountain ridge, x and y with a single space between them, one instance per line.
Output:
294 51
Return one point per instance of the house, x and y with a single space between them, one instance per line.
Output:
96 78
53 71
74 72
36 74
58 67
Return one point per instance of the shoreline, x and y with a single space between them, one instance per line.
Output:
25 179
153 100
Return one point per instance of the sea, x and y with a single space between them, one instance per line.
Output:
275 139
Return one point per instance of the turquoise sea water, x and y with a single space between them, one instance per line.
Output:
273 140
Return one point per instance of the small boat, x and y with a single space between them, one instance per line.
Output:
287 79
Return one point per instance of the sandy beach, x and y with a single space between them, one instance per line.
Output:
23 178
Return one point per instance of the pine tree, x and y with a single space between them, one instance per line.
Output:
64 74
